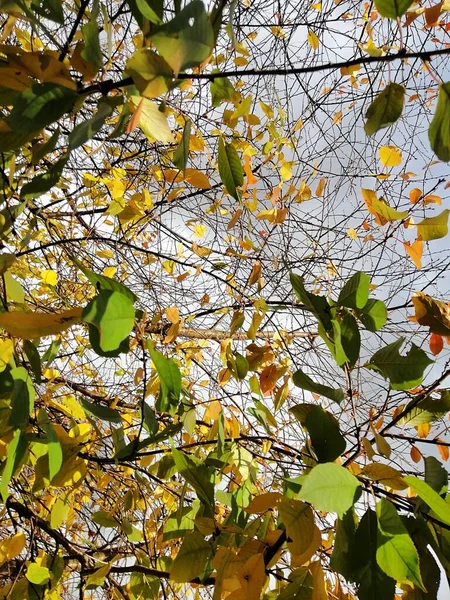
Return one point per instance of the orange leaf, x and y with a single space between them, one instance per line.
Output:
251 179
432 14
134 121
436 343
432 199
415 454
320 188
268 379
234 219
415 195
443 451
415 251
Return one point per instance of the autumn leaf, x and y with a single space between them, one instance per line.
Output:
436 344
390 156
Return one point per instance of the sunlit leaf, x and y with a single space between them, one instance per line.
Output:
433 228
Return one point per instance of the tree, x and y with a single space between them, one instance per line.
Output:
224 303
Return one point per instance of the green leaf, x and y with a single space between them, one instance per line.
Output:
144 587
385 109
433 228
6 261
439 130
374 584
170 380
242 366
392 8
334 342
39 106
230 168
104 519
151 10
342 556
37 574
87 129
112 313
350 339
13 289
41 150
221 90
43 182
14 454
22 400
374 315
198 476
427 410
331 488
191 559
187 40
181 155
355 292
403 372
301 586
396 554
302 380
104 283
92 52
326 438
151 74
34 359
437 504
52 352
54 448
318 305
149 417
101 412
435 475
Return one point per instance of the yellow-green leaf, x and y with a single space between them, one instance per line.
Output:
433 228
34 325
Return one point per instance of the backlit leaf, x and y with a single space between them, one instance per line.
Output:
432 313
392 8
34 325
385 109
302 380
437 504
230 168
433 228
390 156
150 72
439 130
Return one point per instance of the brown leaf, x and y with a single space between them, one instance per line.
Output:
436 344
432 313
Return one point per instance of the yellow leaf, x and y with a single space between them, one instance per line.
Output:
14 290
252 577
234 219
263 503
199 230
390 156
318 585
240 61
267 110
109 271
352 234
349 70
34 325
432 228
197 179
286 171
337 118
105 253
298 125
415 251
11 547
49 277
6 352
151 120
313 40
320 187
386 475
173 314
380 209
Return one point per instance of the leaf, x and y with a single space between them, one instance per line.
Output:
326 438
187 40
181 155
222 90
54 448
151 10
152 121
374 584
436 344
435 475
355 292
330 487
298 518
112 314
92 52
22 400
433 228
151 74
396 554
104 519
86 130
14 290
302 380
390 156
439 130
380 209
39 106
37 574
198 476
350 339
230 168
318 305
12 547
392 8
341 558
15 452
6 261
403 372
415 251
6 353
264 502
100 411
386 109
432 313
170 380
437 504
374 315
384 474
29 326
426 411
313 40
104 283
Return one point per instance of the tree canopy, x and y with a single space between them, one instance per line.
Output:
224 301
